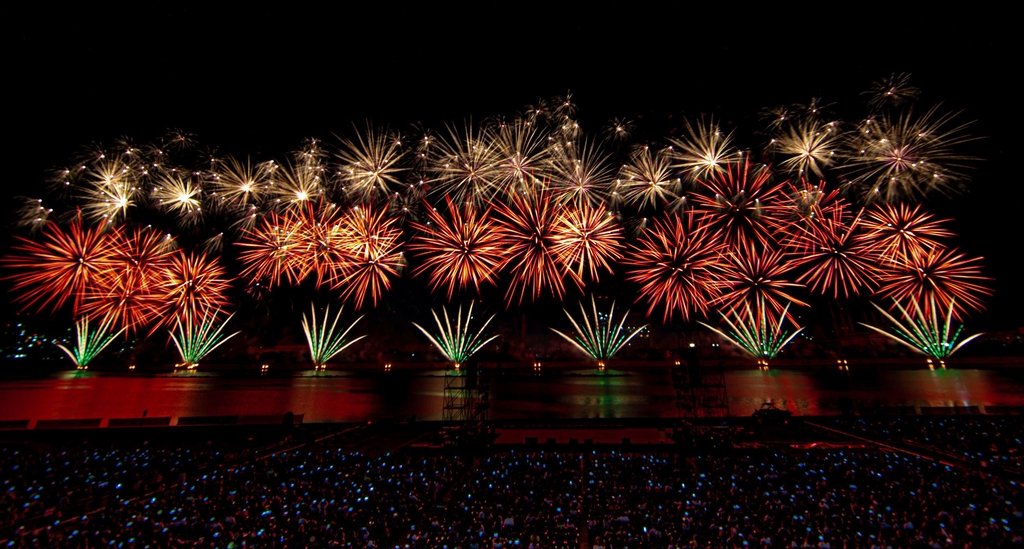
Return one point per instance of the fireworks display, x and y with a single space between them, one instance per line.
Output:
168 235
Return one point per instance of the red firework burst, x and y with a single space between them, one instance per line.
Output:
64 265
268 252
741 204
128 293
900 231
751 275
192 286
527 224
949 278
323 245
836 256
678 267
803 206
465 251
372 241
586 238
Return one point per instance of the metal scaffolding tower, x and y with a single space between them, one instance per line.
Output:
466 395
700 390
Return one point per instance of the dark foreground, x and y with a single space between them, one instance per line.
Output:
829 482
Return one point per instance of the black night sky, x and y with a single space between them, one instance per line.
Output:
257 81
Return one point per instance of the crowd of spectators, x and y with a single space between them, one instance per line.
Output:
320 495
796 498
72 478
986 440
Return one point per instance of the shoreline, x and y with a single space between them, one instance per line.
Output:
574 368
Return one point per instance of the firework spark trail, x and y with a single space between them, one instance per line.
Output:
129 291
809 147
293 184
581 172
808 201
802 209
89 343
524 157
458 343
239 184
323 336
678 266
924 330
892 91
323 245
598 335
180 196
467 165
111 190
465 251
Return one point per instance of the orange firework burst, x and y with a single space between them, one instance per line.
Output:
836 256
953 280
323 245
741 204
804 207
128 292
528 226
897 232
372 241
192 286
63 265
586 238
807 201
267 252
463 252
752 275
678 267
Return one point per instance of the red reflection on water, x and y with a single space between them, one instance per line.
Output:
573 394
